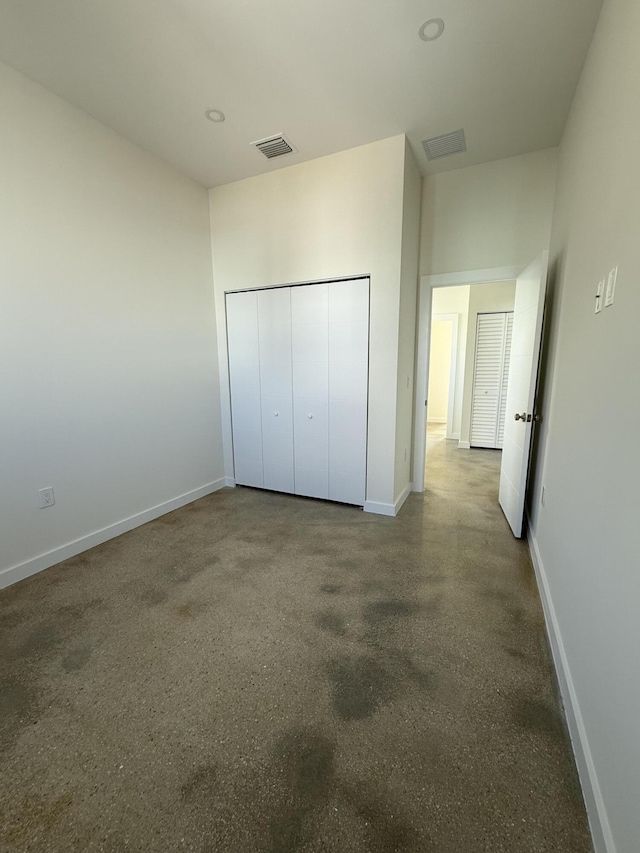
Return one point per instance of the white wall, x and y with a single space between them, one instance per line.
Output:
407 324
109 375
493 215
483 298
333 217
587 456
455 300
439 369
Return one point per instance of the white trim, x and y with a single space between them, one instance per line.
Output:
436 421
488 276
425 299
404 494
464 445
379 509
389 509
230 482
455 436
594 803
13 574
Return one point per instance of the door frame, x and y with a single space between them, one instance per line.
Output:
425 302
453 358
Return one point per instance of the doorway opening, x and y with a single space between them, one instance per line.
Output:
469 352
496 399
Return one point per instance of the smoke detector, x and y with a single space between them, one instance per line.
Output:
274 146
445 145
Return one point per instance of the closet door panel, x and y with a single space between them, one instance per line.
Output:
277 415
310 342
348 488
312 451
310 379
349 340
349 301
310 351
274 325
309 304
347 455
277 450
312 482
349 419
244 379
348 380
348 389
311 416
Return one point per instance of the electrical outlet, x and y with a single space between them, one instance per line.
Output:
543 495
47 498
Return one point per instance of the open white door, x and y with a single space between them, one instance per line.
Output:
523 374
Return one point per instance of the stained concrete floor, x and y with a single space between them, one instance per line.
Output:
257 672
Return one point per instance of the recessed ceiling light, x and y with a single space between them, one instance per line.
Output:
215 115
431 29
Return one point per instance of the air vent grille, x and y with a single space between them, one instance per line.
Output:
274 146
445 145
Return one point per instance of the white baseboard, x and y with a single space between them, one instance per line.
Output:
454 436
464 445
13 574
389 509
594 803
379 508
230 482
404 494
436 421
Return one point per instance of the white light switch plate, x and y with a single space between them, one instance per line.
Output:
599 293
611 287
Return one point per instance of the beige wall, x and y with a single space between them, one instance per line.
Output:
109 370
483 298
333 217
587 453
455 300
439 368
493 215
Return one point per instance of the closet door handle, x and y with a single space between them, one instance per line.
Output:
275 414
309 416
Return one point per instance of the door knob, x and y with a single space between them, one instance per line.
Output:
521 417
275 414
309 416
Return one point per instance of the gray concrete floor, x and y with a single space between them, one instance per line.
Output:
258 672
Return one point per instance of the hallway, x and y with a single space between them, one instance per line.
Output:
257 672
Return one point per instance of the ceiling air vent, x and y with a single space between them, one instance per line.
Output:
274 146
445 145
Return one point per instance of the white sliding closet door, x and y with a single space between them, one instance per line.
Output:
490 377
310 325
274 336
244 377
348 389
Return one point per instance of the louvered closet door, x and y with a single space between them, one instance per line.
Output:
348 389
274 336
244 377
489 379
505 379
310 348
